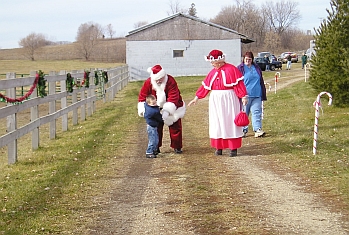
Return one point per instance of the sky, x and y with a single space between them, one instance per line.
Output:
60 20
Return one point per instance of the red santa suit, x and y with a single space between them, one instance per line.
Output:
226 88
170 101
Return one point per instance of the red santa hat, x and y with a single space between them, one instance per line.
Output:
156 72
215 55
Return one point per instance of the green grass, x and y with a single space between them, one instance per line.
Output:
52 190
26 66
47 189
289 120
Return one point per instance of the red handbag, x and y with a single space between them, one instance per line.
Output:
242 119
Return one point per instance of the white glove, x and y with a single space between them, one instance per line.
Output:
141 109
165 115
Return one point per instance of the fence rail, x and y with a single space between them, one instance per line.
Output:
59 103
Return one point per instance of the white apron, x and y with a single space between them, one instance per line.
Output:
224 105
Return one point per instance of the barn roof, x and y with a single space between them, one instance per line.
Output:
244 38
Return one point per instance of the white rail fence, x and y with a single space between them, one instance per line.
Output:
79 102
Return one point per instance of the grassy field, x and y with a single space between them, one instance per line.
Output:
26 66
51 190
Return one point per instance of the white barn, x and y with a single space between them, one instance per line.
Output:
179 44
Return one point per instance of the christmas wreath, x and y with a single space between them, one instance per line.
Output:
96 78
105 76
86 80
69 83
41 84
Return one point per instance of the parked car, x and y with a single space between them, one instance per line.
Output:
262 54
283 57
274 64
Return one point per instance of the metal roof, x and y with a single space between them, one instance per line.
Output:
244 38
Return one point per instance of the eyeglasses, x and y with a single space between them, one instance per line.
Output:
248 59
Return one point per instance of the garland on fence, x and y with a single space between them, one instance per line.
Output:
86 80
69 83
39 80
96 78
105 76
41 84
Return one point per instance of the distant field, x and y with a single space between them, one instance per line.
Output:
23 67
108 50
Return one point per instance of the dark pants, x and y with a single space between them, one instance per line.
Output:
175 134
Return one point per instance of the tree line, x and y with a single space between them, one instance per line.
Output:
89 35
274 28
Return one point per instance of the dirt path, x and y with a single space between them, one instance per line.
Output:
287 206
142 198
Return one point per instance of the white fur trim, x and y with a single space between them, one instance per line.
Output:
169 107
157 76
212 59
141 109
161 98
224 81
178 113
169 121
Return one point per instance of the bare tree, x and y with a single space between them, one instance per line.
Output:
243 17
272 41
140 24
88 36
110 31
281 15
32 43
175 7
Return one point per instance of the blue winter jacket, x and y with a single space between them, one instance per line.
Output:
152 115
259 71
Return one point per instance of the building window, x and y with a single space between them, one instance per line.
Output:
178 53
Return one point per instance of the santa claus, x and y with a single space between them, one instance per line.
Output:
164 87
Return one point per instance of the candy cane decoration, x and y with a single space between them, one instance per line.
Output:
317 105
277 75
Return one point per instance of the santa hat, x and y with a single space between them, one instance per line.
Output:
156 72
215 55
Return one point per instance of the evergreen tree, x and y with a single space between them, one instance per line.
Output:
192 10
330 64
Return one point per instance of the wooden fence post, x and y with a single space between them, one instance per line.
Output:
64 102
83 107
34 114
74 95
11 124
52 106
90 93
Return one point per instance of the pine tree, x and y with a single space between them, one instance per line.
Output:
192 10
330 64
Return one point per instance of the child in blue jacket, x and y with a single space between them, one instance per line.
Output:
152 117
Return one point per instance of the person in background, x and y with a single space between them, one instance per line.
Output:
289 62
304 60
164 87
267 62
256 91
153 118
227 90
